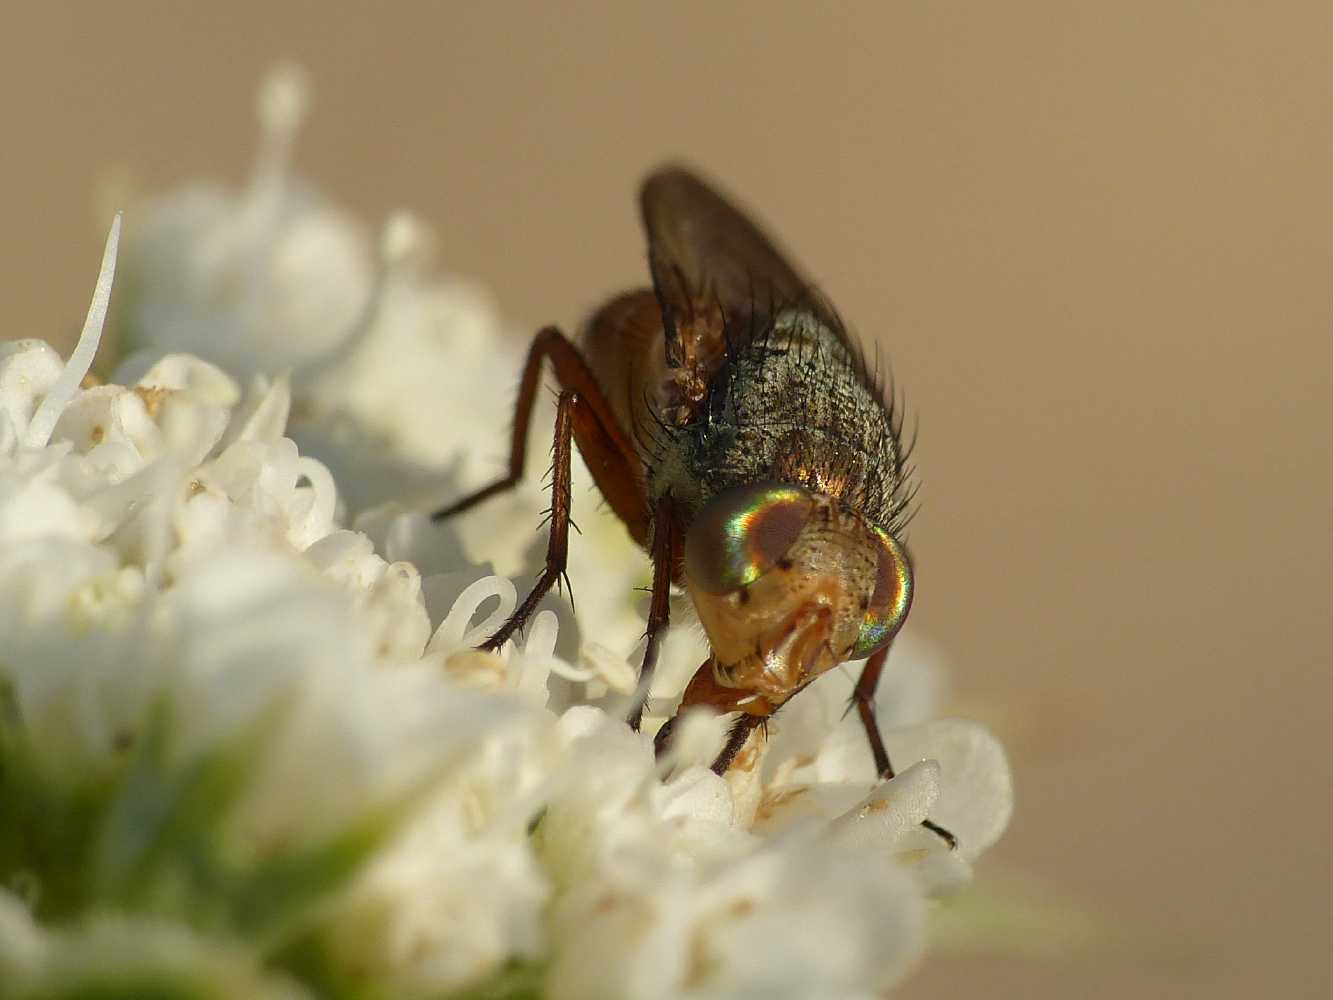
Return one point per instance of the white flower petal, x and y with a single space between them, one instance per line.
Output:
28 370
44 420
891 809
977 793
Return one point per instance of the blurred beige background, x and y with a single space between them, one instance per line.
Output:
1096 242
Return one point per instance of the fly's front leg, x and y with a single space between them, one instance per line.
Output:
863 697
737 736
740 732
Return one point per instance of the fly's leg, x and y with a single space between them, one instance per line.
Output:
518 442
584 416
736 737
863 697
557 546
606 448
659 608
740 732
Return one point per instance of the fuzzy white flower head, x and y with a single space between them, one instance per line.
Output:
245 736
264 280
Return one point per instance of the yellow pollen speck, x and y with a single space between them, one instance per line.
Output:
773 801
702 963
740 908
746 759
152 397
877 806
606 903
478 667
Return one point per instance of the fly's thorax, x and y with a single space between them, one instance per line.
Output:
790 403
789 583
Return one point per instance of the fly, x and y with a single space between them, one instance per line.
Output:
733 425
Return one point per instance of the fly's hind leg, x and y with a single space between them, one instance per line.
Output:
583 416
571 372
557 545
863 697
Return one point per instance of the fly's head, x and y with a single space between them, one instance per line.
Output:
789 583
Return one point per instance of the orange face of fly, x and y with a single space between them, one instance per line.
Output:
788 583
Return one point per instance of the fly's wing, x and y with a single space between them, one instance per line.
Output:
706 255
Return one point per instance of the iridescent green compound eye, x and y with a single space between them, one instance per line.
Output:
742 533
890 601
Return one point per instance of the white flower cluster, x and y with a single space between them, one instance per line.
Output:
248 751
